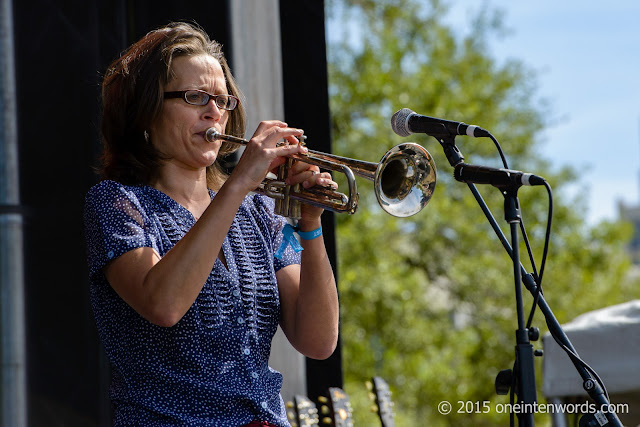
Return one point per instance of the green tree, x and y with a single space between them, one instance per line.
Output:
428 302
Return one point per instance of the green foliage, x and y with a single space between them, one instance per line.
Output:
428 302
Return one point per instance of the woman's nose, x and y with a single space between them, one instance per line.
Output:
212 110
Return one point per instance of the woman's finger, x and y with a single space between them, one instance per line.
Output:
310 178
322 179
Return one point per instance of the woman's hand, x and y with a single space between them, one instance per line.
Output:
309 176
263 154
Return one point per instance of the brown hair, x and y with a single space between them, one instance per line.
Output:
132 96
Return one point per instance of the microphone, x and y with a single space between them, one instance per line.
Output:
405 122
500 178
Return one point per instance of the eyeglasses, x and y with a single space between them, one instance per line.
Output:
200 97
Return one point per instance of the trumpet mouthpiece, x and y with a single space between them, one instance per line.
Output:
211 135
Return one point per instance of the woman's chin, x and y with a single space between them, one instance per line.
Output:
209 159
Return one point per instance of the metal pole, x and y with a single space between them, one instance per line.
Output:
12 327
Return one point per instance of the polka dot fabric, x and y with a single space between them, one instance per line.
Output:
210 369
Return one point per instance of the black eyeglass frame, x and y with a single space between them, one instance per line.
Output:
183 94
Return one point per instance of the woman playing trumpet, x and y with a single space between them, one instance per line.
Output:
185 288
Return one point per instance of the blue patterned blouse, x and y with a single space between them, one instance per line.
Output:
211 368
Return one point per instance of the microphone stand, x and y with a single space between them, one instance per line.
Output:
524 365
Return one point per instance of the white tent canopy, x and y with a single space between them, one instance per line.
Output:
608 340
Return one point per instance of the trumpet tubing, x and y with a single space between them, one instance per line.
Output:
404 180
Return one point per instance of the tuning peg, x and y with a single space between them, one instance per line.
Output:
327 420
369 385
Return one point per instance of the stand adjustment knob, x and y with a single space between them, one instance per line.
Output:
534 333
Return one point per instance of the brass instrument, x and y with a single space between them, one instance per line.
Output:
404 180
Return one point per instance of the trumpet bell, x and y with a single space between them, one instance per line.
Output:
405 180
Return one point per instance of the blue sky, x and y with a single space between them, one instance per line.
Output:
587 59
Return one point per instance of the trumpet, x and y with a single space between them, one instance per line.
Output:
404 180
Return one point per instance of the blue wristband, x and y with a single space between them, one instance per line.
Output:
310 235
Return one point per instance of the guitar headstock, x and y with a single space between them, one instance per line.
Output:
337 408
382 397
302 412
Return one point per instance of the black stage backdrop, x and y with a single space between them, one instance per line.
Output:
62 48
306 101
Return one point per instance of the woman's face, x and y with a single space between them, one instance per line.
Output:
179 131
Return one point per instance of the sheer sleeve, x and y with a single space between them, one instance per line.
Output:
115 223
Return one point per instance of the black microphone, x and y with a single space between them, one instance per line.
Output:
405 122
500 178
